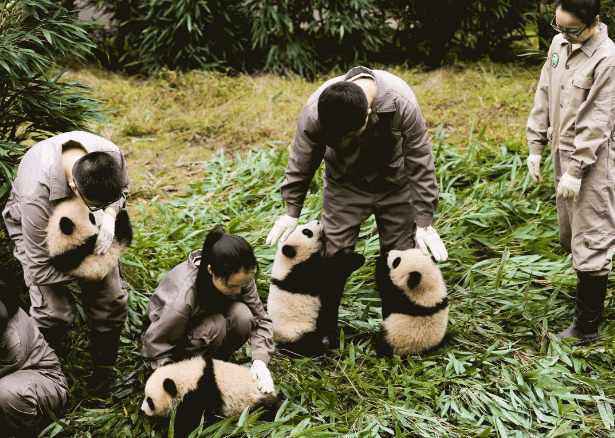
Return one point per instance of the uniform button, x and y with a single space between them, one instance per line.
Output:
562 87
561 105
567 67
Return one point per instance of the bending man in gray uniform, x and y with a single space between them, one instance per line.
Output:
368 127
575 112
70 164
33 389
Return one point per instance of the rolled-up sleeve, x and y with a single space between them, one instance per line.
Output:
305 156
595 120
419 162
261 339
34 220
538 121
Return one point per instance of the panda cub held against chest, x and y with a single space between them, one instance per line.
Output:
415 303
71 239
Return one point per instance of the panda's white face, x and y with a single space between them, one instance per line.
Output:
160 394
416 275
304 241
70 224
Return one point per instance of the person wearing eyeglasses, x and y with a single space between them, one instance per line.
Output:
574 111
66 165
209 304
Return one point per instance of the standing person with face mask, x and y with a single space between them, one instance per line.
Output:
368 127
574 111
209 304
67 165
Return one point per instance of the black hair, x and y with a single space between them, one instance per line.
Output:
584 10
342 107
227 254
98 177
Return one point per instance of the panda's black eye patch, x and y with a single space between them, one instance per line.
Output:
92 219
396 262
169 387
67 226
150 403
289 251
414 279
307 232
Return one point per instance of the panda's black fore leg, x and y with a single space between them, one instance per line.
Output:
383 348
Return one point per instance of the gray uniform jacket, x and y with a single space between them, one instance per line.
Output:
173 307
574 111
395 150
39 185
32 385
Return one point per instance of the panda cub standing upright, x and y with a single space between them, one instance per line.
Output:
414 303
71 239
304 296
202 386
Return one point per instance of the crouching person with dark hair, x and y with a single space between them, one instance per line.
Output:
74 165
209 305
33 389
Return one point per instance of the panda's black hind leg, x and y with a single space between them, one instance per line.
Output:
383 348
270 407
310 345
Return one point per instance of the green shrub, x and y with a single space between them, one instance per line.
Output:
34 100
178 34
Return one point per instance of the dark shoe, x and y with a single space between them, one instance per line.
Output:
590 295
104 350
56 337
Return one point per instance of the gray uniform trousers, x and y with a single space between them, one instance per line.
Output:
33 389
221 335
345 207
105 304
586 223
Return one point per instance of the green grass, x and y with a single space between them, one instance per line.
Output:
501 374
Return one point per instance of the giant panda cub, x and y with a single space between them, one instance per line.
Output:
202 386
304 294
414 303
71 239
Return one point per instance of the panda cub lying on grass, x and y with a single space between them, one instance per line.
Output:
202 386
71 239
414 303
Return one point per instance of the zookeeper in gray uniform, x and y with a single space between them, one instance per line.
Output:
70 164
574 111
209 304
368 127
33 389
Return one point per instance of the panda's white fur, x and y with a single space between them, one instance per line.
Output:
83 234
294 314
235 382
410 333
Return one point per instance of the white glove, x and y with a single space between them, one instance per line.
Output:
569 187
428 240
106 233
533 166
283 226
261 374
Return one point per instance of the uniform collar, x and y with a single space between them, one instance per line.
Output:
590 46
59 188
382 102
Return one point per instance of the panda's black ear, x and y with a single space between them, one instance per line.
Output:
414 279
289 251
169 386
396 262
67 226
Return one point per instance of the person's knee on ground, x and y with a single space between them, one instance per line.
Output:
239 323
18 410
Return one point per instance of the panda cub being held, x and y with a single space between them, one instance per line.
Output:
414 303
202 386
71 240
305 291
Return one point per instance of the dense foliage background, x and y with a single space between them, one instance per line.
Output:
36 38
